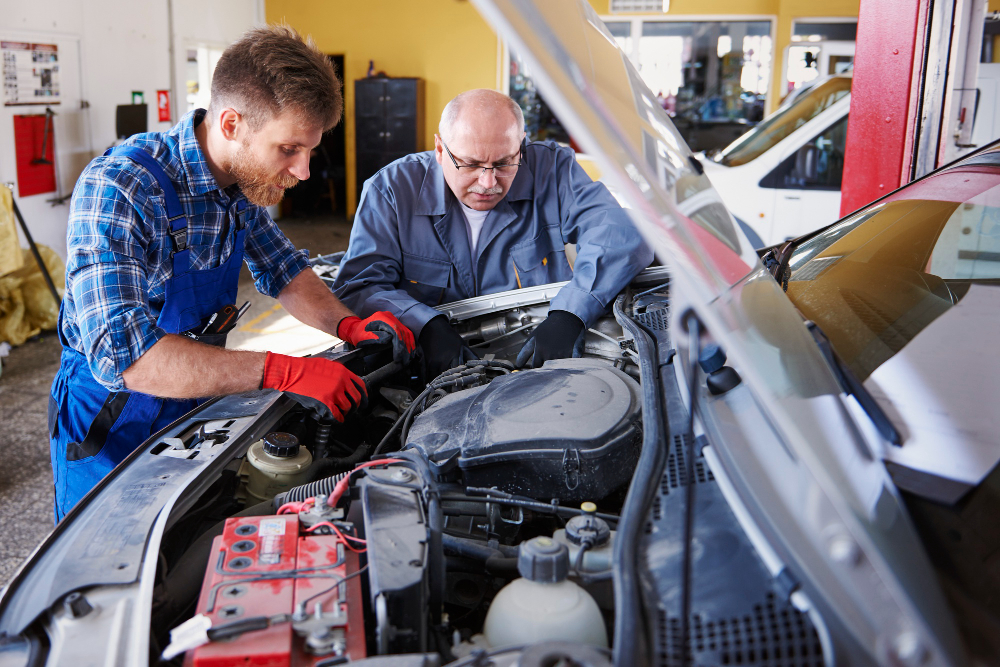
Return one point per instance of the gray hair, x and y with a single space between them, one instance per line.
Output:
483 99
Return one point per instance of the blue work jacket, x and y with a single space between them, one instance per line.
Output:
410 250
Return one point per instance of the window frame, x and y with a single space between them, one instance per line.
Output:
773 179
636 21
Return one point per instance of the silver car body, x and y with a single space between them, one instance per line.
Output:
799 462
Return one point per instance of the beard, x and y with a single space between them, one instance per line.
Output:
255 181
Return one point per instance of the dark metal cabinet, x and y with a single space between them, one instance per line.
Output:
389 121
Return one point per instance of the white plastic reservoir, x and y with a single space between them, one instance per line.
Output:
543 605
277 463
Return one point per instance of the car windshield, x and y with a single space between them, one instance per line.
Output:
784 121
878 278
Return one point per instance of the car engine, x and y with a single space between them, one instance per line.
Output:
442 522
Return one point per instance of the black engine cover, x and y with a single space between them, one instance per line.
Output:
569 430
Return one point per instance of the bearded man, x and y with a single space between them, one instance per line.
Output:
158 230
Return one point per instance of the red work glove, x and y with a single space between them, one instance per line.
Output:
320 384
382 327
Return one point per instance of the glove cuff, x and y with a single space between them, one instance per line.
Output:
276 371
436 327
351 321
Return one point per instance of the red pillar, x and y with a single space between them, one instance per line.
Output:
887 64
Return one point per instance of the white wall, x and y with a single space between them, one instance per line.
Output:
107 49
211 23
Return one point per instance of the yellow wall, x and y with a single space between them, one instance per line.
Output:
444 42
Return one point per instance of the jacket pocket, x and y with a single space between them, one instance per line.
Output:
426 279
426 271
541 257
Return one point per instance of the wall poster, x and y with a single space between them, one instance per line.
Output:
30 73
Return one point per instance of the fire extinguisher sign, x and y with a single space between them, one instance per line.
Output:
163 105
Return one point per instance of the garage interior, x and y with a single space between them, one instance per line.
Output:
718 67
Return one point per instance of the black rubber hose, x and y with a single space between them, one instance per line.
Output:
311 490
457 546
380 375
323 482
501 565
460 546
631 646
321 468
495 561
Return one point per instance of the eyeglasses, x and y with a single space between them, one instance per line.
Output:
499 170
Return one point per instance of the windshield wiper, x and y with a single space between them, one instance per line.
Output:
853 386
776 261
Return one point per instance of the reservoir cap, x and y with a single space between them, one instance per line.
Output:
544 560
281 445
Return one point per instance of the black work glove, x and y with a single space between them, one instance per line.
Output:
443 348
558 337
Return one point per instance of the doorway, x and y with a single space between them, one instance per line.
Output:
325 191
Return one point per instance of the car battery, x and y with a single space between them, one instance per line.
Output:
266 567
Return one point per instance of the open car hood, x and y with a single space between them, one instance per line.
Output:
825 482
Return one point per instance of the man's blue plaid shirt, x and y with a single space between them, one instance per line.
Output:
118 247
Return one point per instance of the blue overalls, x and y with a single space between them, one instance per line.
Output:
92 429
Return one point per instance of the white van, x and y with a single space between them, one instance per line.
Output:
782 178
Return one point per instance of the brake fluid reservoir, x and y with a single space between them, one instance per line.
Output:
590 530
543 605
277 463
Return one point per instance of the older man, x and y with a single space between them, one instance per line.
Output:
485 212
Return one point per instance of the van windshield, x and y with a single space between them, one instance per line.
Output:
784 121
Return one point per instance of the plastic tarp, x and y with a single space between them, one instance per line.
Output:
26 304
11 258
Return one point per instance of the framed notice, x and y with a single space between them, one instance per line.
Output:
30 73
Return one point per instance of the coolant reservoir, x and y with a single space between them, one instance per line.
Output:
277 463
543 605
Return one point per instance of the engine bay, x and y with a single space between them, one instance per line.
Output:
488 516
469 516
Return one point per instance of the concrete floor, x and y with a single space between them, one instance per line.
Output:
26 513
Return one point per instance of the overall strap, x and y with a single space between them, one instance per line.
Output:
175 213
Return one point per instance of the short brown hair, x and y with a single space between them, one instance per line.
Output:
272 69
